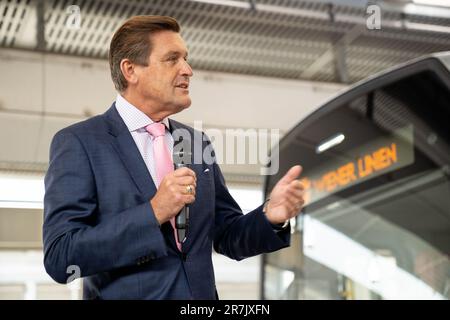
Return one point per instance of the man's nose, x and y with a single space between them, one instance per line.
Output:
186 70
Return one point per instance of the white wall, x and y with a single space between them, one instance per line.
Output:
41 93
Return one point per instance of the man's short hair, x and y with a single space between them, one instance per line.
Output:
133 41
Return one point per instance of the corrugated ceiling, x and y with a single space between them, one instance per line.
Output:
311 40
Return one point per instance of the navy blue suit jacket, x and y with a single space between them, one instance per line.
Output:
97 216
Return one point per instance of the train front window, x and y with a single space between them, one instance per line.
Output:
377 220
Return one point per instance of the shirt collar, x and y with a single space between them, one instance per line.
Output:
133 117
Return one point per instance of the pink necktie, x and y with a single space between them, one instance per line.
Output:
163 160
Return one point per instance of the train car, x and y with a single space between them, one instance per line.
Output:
376 168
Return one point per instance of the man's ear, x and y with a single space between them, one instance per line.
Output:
128 69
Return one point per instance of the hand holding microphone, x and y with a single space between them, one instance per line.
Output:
175 191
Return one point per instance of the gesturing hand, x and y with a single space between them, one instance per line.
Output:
286 198
173 193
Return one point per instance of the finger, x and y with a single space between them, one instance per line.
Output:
296 184
184 190
300 204
297 194
187 199
290 206
186 180
295 202
291 175
181 172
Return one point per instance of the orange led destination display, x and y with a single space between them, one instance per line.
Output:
391 155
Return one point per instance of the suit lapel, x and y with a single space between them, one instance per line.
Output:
174 125
129 153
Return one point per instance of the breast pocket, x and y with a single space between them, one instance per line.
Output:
204 181
205 192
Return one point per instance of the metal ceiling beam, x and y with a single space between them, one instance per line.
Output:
41 43
340 63
336 54
405 7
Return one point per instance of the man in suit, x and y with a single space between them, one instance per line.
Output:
108 209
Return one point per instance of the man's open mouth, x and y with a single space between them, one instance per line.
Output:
183 85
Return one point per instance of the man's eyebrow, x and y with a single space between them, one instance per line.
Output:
176 53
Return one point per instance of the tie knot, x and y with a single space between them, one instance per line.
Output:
156 129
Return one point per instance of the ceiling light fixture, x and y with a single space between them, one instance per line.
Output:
439 3
330 143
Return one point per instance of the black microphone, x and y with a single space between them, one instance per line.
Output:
181 159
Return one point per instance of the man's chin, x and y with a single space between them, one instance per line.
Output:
182 106
186 104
